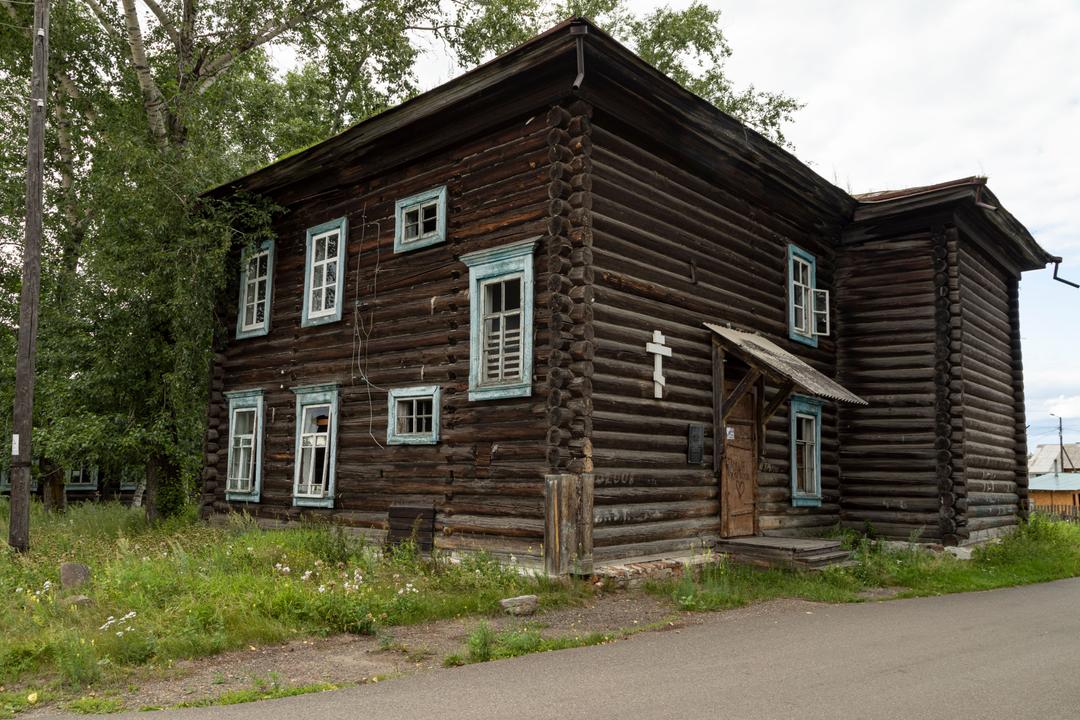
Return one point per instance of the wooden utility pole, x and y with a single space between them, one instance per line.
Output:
19 527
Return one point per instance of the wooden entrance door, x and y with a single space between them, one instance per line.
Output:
738 469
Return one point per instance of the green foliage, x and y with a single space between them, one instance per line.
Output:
268 688
484 643
93 705
1039 551
179 589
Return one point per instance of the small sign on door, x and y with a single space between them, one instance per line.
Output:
730 433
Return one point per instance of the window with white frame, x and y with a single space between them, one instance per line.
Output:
805 451
83 478
256 288
808 306
413 415
316 445
501 317
244 479
420 220
324 276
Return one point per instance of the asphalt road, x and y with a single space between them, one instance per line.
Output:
1011 653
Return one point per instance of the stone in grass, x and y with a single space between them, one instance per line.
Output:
76 600
74 575
521 605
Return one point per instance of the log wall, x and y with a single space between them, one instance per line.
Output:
887 323
671 251
992 406
406 322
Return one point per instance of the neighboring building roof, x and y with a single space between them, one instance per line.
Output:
1055 481
1045 456
781 365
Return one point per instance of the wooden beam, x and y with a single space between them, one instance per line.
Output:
718 404
741 389
782 394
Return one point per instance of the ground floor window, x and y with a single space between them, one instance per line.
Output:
316 445
245 445
83 478
413 416
805 451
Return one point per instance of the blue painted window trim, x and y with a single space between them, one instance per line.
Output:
268 247
439 236
323 394
92 485
803 405
404 393
340 224
238 400
797 252
506 260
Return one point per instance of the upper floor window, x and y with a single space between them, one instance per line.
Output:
256 286
413 416
808 307
244 479
501 316
420 220
324 276
805 451
316 445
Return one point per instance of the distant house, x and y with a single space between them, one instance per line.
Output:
1055 458
568 306
1055 490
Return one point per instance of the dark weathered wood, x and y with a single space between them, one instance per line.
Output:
23 416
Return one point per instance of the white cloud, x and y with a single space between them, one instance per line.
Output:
1063 406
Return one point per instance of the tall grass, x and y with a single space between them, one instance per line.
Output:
183 590
1038 551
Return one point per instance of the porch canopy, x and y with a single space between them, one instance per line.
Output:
768 360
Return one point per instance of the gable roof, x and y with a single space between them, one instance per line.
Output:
1045 457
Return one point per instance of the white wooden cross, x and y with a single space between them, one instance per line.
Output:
660 351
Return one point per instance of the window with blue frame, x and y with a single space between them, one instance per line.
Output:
805 451
324 272
413 415
808 306
83 478
316 445
244 481
420 220
501 321
256 290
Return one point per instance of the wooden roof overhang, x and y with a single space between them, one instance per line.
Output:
966 203
572 59
767 360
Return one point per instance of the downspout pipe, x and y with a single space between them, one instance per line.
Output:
1057 263
579 32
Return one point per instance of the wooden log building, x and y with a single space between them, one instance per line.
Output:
580 315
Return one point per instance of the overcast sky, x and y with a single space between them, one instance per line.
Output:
910 92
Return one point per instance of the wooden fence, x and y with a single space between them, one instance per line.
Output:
1071 513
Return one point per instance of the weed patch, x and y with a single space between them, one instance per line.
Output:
184 590
484 643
